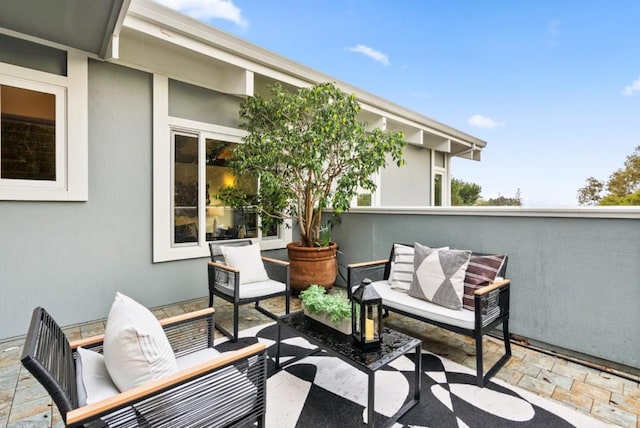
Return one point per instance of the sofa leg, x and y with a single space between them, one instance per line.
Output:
479 362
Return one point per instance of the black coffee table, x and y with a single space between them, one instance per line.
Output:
394 345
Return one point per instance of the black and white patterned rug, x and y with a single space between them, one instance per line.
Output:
323 391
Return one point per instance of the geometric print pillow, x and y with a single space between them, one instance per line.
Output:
481 271
402 271
439 275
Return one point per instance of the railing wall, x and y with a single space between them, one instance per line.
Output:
575 273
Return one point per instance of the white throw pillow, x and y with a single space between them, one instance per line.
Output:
136 349
401 273
92 378
247 259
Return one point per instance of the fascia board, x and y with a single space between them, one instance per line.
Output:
235 47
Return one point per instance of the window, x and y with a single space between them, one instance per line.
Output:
440 195
27 134
42 157
186 213
437 190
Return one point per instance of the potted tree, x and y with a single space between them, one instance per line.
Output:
309 152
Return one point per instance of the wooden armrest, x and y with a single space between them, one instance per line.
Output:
276 261
486 289
370 263
87 342
223 267
184 317
148 389
93 340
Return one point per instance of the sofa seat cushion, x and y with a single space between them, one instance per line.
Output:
421 308
92 378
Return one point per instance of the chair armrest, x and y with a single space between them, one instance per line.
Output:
189 316
366 264
494 285
275 261
356 272
169 384
278 270
223 267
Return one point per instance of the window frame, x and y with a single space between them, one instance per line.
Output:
163 129
71 94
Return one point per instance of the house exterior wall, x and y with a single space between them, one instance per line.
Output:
574 275
409 185
71 257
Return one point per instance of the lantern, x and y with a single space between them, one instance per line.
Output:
366 316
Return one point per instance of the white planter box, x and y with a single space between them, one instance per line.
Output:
344 327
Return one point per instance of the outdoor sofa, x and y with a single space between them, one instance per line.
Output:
487 307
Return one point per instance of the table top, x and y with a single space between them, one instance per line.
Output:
394 344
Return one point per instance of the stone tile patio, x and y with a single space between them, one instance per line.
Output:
607 396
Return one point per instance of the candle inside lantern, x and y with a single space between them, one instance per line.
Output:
368 329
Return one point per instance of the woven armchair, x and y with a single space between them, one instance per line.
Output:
224 282
213 393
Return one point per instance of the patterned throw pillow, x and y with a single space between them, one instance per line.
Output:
481 271
402 271
439 275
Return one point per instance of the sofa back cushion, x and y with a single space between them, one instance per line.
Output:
439 275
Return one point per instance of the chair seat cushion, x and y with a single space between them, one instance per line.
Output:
261 288
421 308
136 348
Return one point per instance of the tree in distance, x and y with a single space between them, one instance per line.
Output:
622 188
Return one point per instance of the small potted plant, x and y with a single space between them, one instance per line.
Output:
329 309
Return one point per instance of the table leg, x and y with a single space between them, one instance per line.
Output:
371 400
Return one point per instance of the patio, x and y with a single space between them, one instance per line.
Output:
611 396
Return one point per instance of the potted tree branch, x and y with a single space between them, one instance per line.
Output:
309 152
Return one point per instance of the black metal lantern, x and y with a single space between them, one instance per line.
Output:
366 316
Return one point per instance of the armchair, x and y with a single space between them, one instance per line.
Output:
226 390
225 282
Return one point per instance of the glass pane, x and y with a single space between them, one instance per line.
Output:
224 222
364 200
27 134
437 188
185 195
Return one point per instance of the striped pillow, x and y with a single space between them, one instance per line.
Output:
402 272
481 271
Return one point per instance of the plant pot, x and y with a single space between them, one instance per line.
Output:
343 327
312 265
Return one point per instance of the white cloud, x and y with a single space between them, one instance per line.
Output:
483 122
371 53
634 87
205 10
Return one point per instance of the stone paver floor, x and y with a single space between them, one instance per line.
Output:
607 396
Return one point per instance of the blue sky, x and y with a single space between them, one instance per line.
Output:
552 86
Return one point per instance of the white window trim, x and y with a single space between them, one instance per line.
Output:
72 130
163 124
446 180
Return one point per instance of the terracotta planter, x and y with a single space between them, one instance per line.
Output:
312 265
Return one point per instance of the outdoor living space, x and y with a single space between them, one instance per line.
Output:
608 395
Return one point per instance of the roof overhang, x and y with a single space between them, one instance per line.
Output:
80 24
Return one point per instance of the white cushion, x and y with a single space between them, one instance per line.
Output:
401 274
247 259
92 378
194 358
402 301
262 288
136 349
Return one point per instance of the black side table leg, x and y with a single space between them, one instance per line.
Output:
371 400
